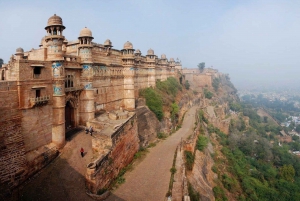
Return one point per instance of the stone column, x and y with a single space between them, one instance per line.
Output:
58 122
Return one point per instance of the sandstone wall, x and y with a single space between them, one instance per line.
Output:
125 143
37 126
12 148
202 80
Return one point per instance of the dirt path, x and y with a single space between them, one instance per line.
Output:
64 178
150 179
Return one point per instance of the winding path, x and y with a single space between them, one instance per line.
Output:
149 180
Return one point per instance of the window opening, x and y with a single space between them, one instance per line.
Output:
37 93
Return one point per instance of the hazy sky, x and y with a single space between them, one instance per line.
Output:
253 41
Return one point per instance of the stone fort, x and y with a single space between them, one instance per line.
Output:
64 84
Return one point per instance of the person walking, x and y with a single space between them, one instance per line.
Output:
86 130
81 152
91 130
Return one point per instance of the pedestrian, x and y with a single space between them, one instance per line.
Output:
81 151
91 130
86 130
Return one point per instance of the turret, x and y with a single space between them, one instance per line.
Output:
54 38
85 45
128 61
19 53
151 61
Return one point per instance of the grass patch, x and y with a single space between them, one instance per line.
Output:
161 135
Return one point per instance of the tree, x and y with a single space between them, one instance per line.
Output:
187 85
1 62
265 119
201 66
298 128
287 172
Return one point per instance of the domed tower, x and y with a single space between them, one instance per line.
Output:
151 63
53 41
108 45
128 71
19 53
85 46
54 38
172 67
164 65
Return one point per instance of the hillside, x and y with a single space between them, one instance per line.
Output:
245 160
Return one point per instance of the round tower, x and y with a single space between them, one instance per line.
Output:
53 41
128 71
54 38
19 53
151 60
87 108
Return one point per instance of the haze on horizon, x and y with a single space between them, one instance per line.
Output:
256 42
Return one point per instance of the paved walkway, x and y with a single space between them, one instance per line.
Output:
149 180
64 178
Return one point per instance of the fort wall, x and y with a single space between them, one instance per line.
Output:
125 143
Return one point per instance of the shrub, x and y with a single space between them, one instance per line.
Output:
153 101
187 85
208 94
219 193
161 135
173 170
201 142
189 158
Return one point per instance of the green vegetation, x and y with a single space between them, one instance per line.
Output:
256 168
153 101
202 117
219 194
216 83
174 111
173 171
189 158
155 96
187 85
194 195
201 66
208 94
161 135
201 142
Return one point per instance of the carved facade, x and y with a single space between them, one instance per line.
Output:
64 83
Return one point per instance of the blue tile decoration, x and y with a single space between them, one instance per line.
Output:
57 90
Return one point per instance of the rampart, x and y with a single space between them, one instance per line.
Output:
125 143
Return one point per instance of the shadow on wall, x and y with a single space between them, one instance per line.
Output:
63 179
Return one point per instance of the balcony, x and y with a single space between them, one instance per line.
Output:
77 88
39 101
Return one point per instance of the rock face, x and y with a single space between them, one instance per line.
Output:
202 176
148 125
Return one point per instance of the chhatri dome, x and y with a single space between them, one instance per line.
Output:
163 56
55 20
150 52
19 50
128 45
107 42
85 32
171 59
138 51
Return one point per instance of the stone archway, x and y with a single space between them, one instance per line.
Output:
71 109
69 116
